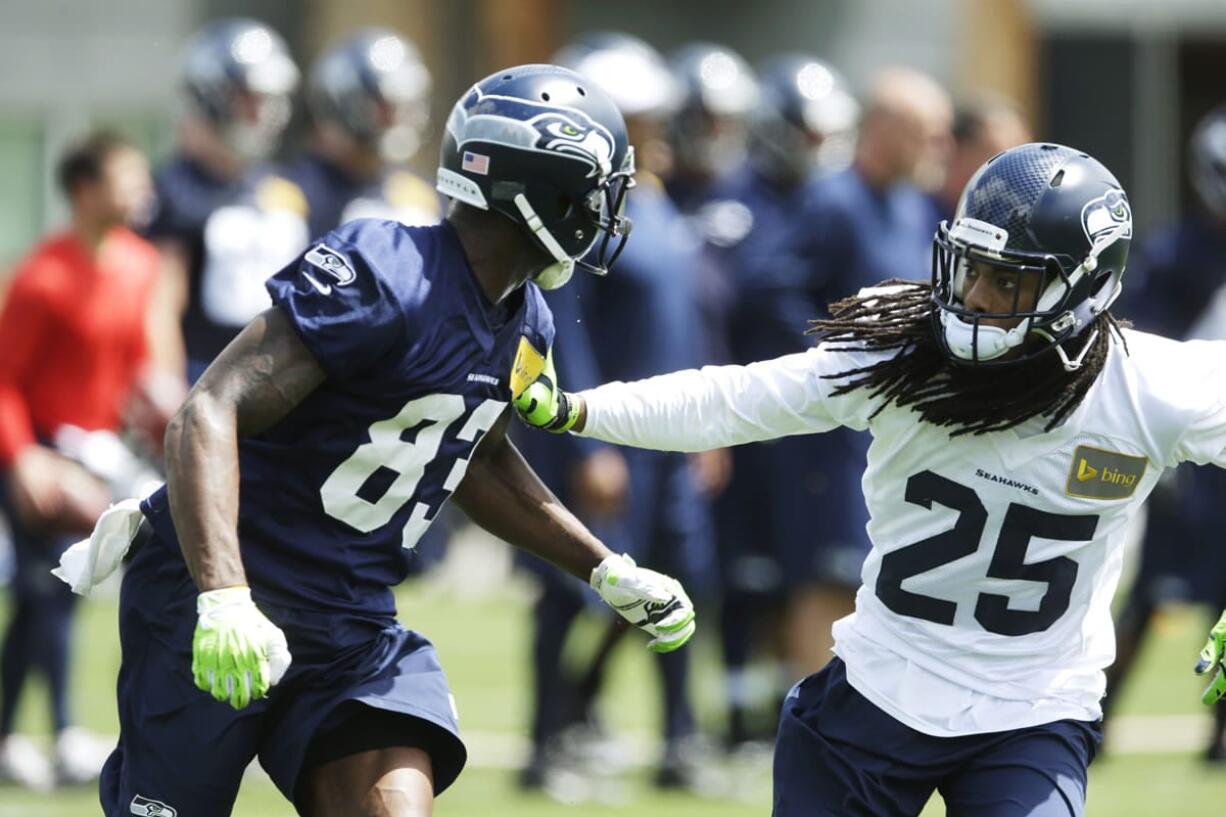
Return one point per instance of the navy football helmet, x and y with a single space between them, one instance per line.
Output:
805 119
547 148
1207 161
376 87
1041 210
719 91
238 76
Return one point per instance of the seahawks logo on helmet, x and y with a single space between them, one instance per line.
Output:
1110 213
576 135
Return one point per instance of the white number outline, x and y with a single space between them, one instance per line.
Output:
386 449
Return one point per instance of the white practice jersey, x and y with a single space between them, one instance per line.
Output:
985 602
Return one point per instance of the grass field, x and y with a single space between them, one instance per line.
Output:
482 646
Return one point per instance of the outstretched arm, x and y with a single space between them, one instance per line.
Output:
712 407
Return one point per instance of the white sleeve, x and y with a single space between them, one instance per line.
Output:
1203 440
718 406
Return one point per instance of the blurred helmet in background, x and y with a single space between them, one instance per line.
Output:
718 93
546 148
1207 161
375 86
637 79
805 119
629 70
238 77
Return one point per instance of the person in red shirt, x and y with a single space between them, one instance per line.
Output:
73 335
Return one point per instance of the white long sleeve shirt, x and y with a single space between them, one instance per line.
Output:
985 602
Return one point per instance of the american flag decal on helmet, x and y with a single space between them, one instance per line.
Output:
475 163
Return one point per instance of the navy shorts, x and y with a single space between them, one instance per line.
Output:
839 755
185 751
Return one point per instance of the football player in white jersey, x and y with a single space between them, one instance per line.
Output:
1017 428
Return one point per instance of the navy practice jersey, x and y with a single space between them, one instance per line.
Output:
758 231
800 249
418 366
334 197
869 235
644 318
235 234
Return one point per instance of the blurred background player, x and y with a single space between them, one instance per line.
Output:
707 136
640 320
871 221
801 127
224 221
73 330
981 129
1177 286
369 100
709 131
861 225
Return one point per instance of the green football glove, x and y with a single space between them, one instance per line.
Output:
651 601
1213 656
237 653
535 393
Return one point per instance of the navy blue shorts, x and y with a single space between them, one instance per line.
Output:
182 749
839 755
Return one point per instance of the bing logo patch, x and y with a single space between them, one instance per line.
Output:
1098 474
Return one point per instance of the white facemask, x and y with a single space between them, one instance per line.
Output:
993 341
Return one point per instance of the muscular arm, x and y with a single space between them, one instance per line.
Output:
501 493
263 374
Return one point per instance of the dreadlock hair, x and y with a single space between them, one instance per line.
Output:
901 315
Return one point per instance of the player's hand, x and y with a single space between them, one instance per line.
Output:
651 601
51 493
541 403
600 483
237 653
1213 656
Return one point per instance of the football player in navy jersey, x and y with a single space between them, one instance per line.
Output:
223 217
710 130
801 128
326 437
369 98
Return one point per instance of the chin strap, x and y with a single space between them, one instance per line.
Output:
558 273
1073 364
539 230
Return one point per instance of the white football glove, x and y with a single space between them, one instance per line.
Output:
651 601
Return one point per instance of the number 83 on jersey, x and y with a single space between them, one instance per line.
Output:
399 452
